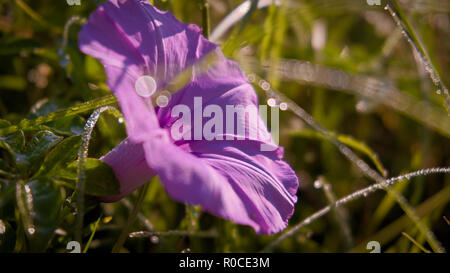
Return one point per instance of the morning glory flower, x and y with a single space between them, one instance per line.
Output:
143 50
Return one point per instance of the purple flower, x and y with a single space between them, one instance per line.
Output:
232 179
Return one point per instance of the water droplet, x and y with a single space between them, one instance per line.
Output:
154 239
365 194
31 230
317 184
439 92
145 86
272 102
60 232
135 234
92 86
283 106
63 58
163 99
2 227
120 120
187 250
244 8
264 85
362 106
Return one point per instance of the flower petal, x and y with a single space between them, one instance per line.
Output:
225 87
235 182
132 38
231 179
128 162
134 33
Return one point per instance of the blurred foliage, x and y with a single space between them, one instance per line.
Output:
42 72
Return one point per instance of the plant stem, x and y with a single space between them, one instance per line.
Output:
415 242
81 177
92 234
205 18
419 48
353 196
201 234
137 206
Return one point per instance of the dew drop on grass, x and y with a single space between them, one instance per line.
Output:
264 85
135 234
154 239
187 250
31 230
251 77
2 227
272 102
317 184
244 8
63 58
163 99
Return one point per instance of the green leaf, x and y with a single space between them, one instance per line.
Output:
4 123
68 126
27 124
35 150
71 125
111 131
39 202
58 158
13 143
100 178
